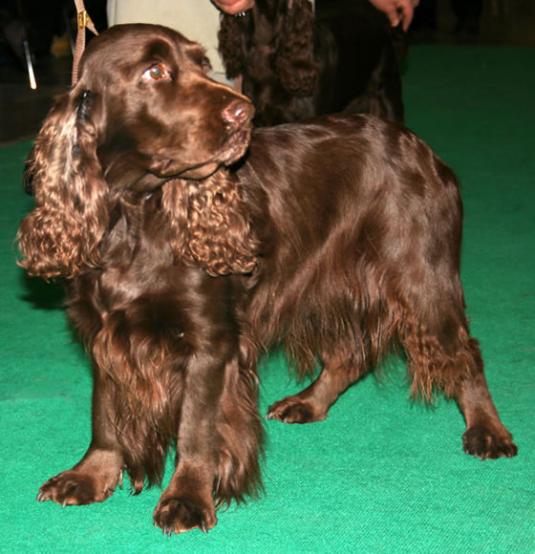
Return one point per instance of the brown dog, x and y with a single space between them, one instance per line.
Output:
342 237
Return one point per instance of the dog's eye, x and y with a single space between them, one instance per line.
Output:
156 72
205 64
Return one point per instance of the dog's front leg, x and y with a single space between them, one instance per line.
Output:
188 502
95 476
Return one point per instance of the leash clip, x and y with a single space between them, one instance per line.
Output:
85 21
82 20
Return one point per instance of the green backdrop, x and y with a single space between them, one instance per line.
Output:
381 474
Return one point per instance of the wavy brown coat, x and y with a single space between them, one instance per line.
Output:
188 248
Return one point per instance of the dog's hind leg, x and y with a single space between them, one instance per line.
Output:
312 404
443 355
485 436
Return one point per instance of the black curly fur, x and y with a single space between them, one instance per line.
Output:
296 63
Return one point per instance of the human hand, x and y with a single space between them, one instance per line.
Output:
233 7
397 11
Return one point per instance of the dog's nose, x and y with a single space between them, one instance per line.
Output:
237 113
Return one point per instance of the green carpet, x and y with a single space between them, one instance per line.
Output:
381 474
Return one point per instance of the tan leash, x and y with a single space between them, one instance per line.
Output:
83 21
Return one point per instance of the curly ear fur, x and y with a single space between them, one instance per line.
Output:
231 38
209 224
62 233
294 59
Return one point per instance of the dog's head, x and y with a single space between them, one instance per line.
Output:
143 111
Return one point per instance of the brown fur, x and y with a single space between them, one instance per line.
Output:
342 236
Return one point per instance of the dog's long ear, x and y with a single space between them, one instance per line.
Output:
62 233
294 58
209 224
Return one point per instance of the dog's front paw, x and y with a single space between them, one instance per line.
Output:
177 515
484 442
294 410
74 487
